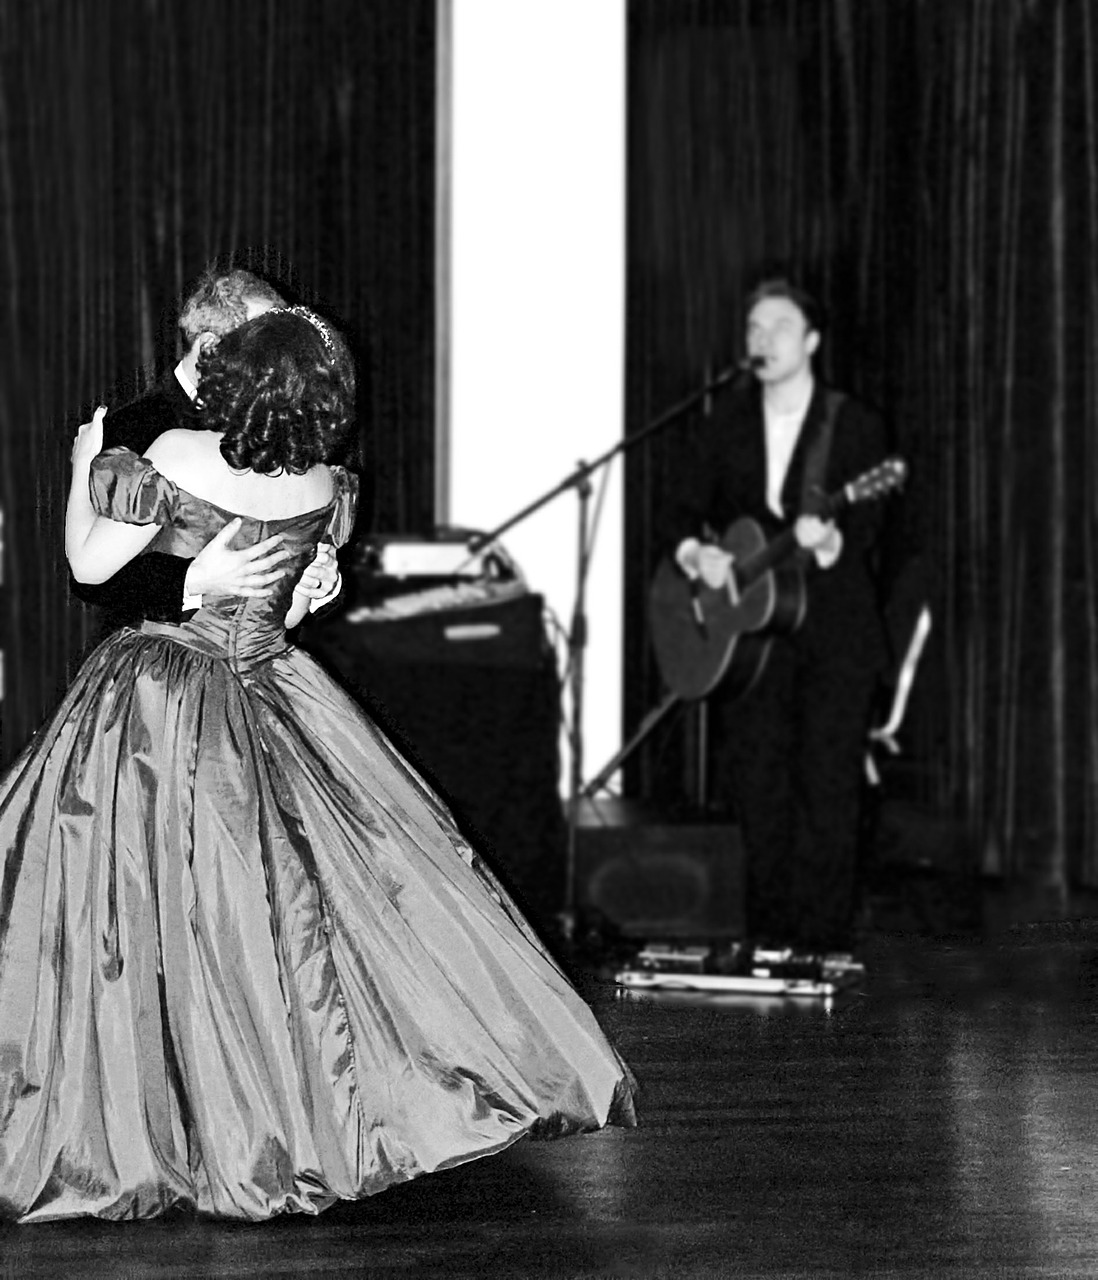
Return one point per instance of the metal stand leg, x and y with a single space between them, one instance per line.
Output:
647 725
702 795
577 645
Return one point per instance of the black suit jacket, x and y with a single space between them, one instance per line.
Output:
151 585
843 622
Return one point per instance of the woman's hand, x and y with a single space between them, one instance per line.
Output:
319 580
88 442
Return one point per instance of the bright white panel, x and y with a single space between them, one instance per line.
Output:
537 302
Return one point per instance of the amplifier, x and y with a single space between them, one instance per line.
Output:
488 633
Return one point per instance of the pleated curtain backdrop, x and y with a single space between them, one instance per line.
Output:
141 140
931 169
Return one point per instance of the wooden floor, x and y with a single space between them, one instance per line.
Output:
940 1121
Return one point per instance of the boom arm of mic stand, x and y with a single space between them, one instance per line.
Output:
585 470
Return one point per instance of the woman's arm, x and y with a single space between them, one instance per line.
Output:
96 547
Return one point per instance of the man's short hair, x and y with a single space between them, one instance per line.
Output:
783 287
218 304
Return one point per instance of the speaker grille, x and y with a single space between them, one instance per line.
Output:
663 881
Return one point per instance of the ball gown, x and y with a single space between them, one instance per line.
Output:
248 964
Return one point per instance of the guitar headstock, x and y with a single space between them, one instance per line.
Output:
890 475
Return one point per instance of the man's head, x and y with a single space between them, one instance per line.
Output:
783 329
220 303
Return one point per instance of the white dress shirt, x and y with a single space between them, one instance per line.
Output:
782 432
783 429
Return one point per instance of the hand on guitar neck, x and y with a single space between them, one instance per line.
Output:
821 537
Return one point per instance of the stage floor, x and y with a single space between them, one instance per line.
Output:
939 1120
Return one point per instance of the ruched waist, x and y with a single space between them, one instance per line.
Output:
243 647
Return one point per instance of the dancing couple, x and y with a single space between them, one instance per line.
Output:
248 964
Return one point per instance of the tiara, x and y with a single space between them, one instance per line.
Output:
314 320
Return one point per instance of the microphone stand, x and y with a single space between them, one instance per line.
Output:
580 480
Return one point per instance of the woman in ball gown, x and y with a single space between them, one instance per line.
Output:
248 965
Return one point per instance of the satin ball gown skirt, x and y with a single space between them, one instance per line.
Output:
247 963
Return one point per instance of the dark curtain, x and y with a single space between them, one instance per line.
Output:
141 140
931 169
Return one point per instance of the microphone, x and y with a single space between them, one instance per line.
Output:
734 372
735 375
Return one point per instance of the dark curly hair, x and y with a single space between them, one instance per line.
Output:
281 388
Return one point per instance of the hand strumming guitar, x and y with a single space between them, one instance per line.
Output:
712 564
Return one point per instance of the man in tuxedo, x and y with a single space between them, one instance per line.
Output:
793 745
161 587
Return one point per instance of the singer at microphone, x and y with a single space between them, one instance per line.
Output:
788 734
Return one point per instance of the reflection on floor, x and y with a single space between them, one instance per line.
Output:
939 1119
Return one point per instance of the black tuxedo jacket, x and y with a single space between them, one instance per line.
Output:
151 585
843 621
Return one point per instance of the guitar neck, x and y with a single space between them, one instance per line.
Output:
784 544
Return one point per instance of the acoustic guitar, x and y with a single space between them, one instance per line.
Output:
704 635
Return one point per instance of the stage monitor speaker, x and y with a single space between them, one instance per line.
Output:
663 881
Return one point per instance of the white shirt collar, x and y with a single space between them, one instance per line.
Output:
185 382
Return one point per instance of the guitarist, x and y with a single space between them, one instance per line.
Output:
794 744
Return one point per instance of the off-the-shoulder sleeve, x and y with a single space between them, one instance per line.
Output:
130 489
342 519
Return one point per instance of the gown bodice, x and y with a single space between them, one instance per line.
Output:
244 629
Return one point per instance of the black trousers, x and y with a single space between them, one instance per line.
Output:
792 753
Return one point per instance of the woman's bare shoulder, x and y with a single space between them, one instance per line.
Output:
175 452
